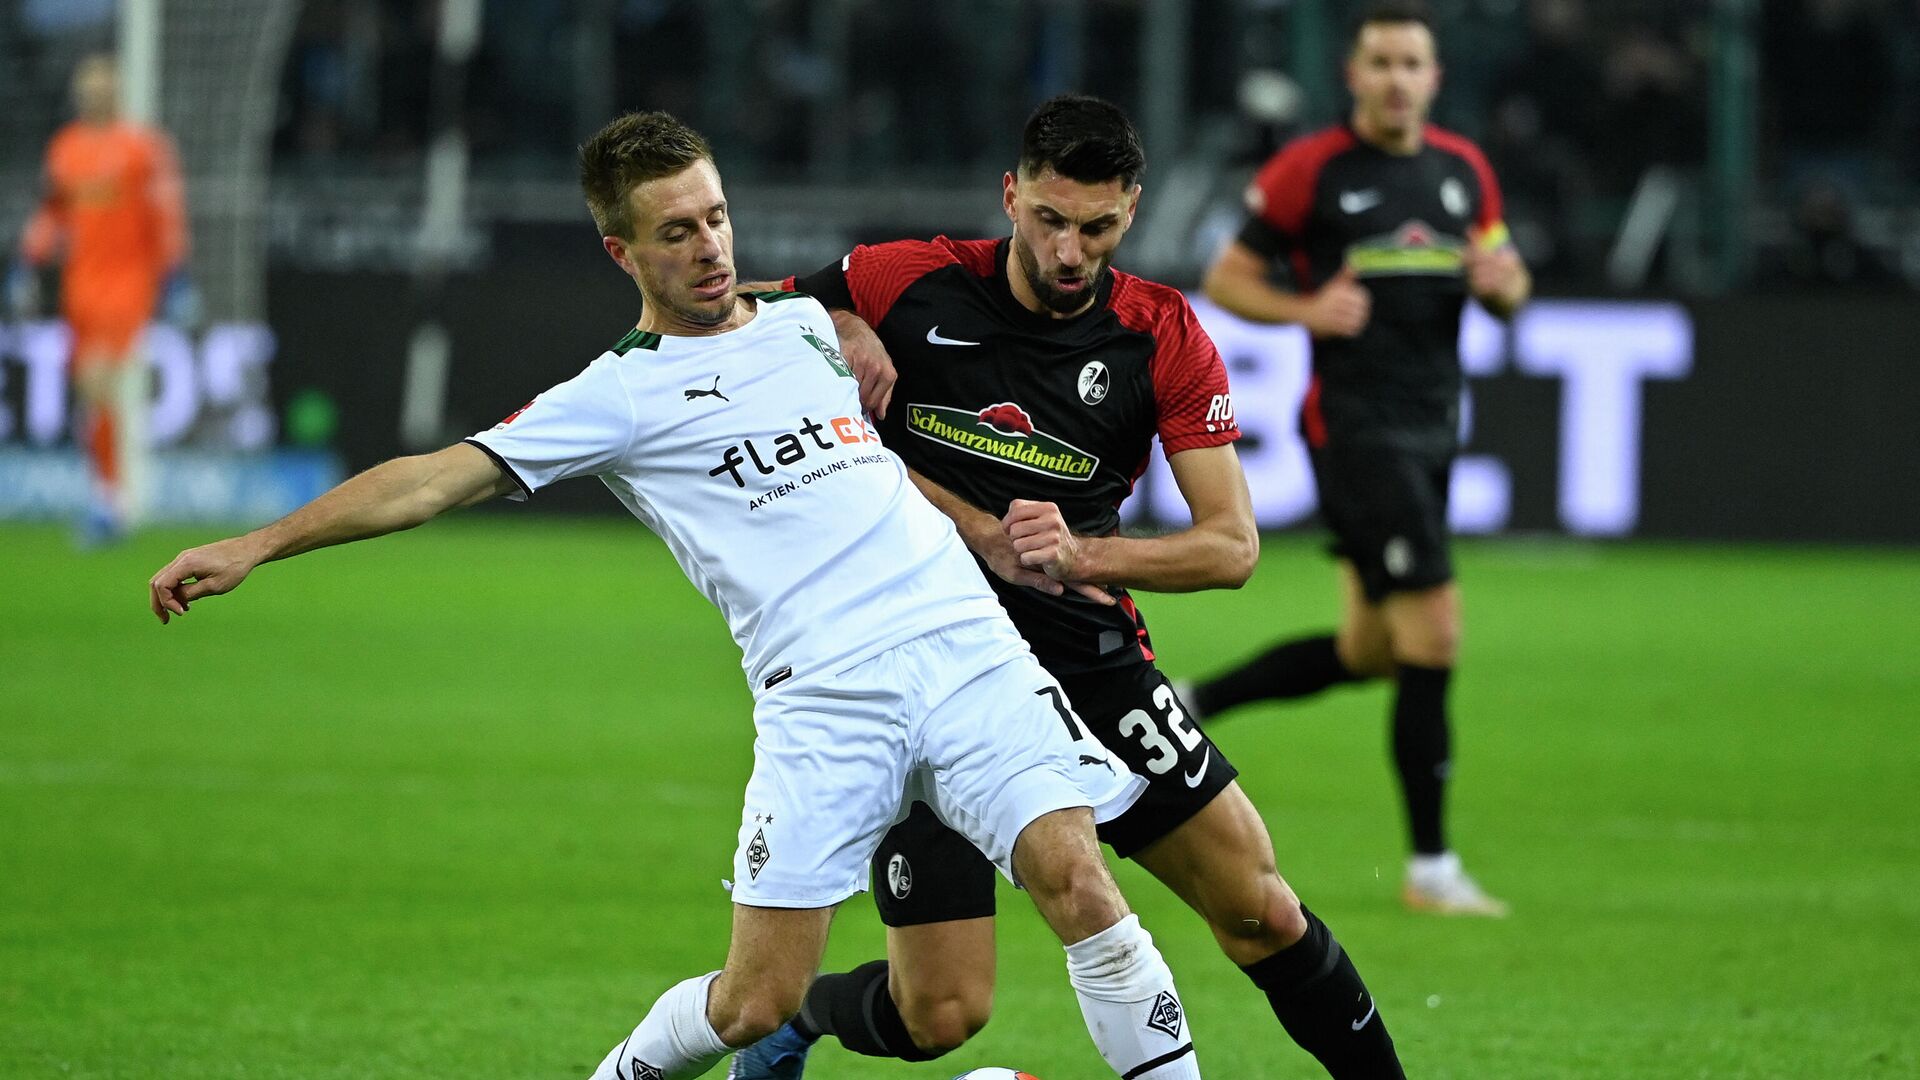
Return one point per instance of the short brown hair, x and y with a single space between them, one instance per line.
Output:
630 151
1388 13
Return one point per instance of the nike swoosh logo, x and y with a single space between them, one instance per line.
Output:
934 338
1362 1022
1355 202
1200 773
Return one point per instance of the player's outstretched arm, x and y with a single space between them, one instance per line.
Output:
1218 551
1237 281
984 535
399 494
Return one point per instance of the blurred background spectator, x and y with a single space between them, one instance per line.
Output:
1686 146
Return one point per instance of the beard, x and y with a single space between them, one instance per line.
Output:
684 308
1054 299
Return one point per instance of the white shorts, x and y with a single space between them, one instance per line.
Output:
962 718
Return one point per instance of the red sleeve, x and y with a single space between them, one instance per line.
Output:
1282 191
1191 398
876 274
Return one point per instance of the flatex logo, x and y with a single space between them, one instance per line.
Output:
792 447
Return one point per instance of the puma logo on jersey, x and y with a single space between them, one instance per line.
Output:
715 392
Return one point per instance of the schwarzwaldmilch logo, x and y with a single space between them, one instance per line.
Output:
1414 248
1003 433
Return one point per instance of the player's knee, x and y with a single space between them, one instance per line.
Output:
943 1022
1265 918
1058 862
1437 645
757 1013
1367 656
1077 896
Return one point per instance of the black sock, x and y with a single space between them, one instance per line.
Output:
1323 1003
1421 751
1292 670
857 1009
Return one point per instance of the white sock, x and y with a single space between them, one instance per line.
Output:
1428 868
674 1042
1132 1010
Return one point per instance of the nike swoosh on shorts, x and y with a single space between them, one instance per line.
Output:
1200 772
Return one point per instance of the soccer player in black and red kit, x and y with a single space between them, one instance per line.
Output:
1032 381
1387 224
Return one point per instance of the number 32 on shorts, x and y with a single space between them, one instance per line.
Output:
1138 724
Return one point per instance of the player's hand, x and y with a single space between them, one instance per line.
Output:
180 301
1042 542
23 291
871 364
203 571
991 544
1341 308
1494 275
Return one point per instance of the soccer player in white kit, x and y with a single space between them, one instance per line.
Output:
882 667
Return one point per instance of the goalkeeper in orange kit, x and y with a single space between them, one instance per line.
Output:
113 212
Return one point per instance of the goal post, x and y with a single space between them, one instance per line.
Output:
207 73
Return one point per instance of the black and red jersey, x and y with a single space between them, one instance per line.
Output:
1402 222
996 403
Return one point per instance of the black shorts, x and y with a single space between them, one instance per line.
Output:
924 872
1387 508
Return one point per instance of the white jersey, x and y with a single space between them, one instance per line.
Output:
747 452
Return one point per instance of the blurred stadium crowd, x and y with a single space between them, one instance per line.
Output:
1804 112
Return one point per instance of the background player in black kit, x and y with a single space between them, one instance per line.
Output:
1032 381
1386 223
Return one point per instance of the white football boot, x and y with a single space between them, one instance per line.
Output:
1437 885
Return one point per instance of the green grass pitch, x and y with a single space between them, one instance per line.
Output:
458 803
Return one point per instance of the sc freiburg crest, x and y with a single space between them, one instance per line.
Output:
1094 382
899 876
